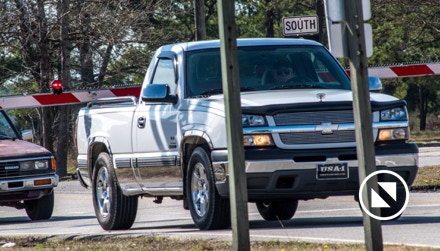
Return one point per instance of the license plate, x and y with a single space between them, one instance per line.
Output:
332 171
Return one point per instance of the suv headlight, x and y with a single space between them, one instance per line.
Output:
394 114
248 120
34 165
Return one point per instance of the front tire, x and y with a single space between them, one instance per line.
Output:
208 209
114 210
40 209
277 210
387 212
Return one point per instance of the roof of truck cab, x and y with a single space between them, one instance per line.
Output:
208 44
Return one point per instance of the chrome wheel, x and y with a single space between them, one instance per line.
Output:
200 189
103 192
208 209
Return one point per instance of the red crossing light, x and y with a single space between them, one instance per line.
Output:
57 87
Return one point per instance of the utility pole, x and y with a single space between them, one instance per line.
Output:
234 129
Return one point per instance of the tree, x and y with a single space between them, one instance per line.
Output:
408 31
111 42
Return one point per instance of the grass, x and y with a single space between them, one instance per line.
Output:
428 178
164 244
425 136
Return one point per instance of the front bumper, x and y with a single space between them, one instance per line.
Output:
291 174
27 188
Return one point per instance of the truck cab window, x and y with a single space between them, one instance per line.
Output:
164 74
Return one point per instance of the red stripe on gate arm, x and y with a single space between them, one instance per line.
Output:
130 91
411 70
59 99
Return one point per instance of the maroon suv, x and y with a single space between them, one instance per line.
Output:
27 173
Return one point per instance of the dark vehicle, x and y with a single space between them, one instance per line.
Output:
27 173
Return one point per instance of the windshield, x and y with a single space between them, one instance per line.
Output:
6 130
267 68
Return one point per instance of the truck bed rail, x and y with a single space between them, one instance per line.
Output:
128 100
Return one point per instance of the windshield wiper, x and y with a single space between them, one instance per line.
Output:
211 92
248 89
297 86
220 90
7 137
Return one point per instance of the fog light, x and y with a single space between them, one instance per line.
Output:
257 140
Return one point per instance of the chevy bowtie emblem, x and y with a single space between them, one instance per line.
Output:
326 128
320 96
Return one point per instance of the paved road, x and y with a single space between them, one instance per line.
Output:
429 156
337 219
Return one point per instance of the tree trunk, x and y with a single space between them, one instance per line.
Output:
85 50
105 62
422 107
46 139
46 119
199 16
269 19
64 111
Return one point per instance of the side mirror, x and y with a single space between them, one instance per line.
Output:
27 135
374 83
158 93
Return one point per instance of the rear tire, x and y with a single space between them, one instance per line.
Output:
208 209
40 209
114 210
277 210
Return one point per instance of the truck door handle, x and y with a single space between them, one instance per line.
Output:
141 122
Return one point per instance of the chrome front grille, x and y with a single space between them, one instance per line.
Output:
317 118
314 118
317 137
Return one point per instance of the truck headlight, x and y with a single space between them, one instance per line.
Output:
248 120
393 134
257 140
393 114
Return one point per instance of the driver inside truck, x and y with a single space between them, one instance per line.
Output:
282 71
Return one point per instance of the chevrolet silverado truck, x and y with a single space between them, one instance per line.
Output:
27 173
299 136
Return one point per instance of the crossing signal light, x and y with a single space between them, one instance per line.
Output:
57 87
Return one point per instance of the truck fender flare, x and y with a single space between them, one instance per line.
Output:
97 145
194 136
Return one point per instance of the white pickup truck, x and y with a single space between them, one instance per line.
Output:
299 134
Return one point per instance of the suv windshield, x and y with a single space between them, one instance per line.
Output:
7 131
267 68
